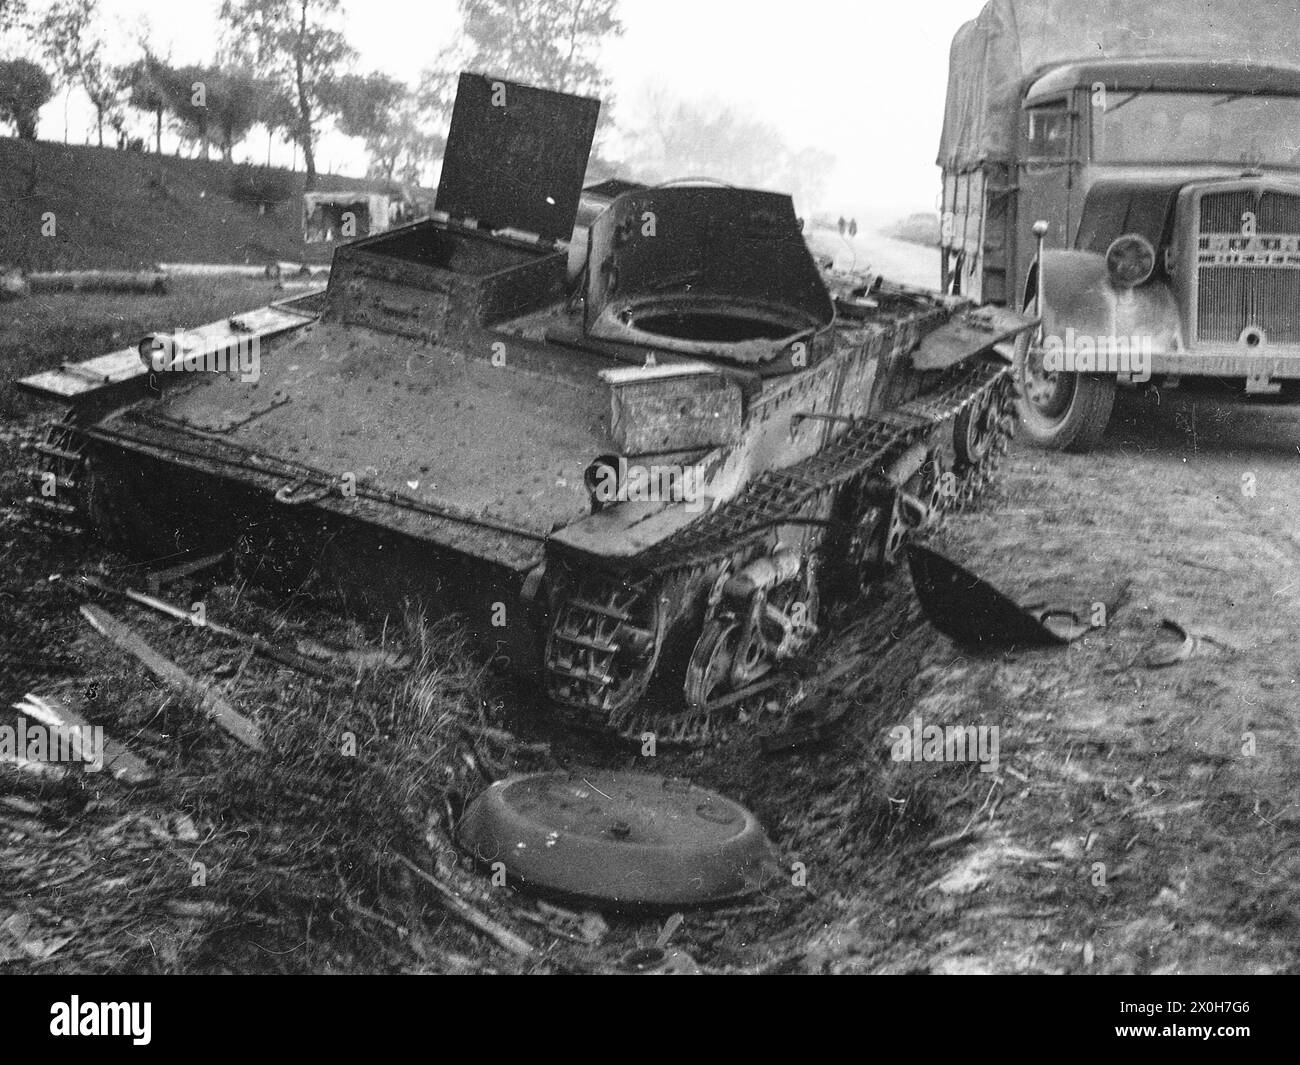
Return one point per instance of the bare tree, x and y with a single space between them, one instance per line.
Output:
12 13
147 85
68 37
294 40
675 138
551 43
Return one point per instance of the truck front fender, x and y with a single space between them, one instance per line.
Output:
1079 297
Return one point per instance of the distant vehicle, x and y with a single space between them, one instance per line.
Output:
341 216
1167 188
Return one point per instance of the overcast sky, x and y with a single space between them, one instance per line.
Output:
864 79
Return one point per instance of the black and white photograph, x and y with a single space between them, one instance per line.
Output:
635 487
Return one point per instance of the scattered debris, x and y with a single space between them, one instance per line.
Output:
33 770
55 713
471 916
587 928
358 658
617 837
655 961
221 712
972 612
659 960
20 938
160 578
952 839
816 714
1165 653
261 646
977 867
13 285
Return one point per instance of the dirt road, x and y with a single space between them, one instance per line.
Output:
897 260
1140 820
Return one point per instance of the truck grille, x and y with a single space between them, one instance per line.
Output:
1247 280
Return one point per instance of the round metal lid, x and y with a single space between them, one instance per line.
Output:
630 838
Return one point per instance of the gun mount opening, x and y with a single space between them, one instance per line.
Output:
704 271
713 322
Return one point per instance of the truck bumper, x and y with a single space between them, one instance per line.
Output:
1230 360
1261 369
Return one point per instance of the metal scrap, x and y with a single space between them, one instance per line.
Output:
972 612
621 839
1166 654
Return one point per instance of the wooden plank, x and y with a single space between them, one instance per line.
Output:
212 704
74 381
261 646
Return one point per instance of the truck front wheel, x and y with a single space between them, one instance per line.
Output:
1059 410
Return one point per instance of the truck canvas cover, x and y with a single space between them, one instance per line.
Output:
1010 40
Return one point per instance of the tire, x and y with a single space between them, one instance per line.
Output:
1074 418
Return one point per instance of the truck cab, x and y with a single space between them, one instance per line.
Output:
1149 211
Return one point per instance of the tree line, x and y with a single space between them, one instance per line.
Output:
287 66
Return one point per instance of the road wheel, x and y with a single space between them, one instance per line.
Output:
1059 410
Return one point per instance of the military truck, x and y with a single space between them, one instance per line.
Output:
341 215
1132 170
643 484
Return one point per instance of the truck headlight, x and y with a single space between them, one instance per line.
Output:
1130 260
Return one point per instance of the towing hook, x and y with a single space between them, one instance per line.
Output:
288 494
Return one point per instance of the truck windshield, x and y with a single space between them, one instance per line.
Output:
1195 127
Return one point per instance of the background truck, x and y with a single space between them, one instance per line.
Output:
341 216
1156 146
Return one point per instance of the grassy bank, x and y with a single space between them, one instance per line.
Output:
129 209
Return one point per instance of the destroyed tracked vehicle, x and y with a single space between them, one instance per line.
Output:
643 483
